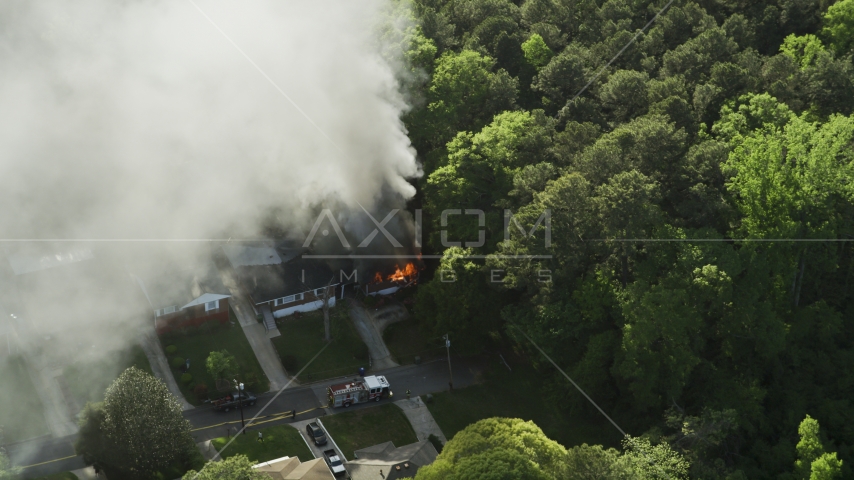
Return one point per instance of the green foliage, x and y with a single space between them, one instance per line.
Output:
813 462
839 26
138 430
7 471
676 287
537 53
171 349
802 49
650 461
464 94
221 365
177 362
186 378
237 467
498 448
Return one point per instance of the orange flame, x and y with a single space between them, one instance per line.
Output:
378 278
400 275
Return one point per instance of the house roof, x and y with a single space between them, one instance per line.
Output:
386 457
33 261
269 282
290 468
175 285
242 256
263 253
205 298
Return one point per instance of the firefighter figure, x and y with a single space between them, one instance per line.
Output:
260 437
407 394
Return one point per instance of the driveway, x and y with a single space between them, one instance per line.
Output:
372 335
255 332
160 367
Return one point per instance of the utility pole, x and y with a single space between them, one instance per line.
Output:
240 402
448 347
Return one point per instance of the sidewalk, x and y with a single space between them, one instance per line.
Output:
160 367
420 418
257 335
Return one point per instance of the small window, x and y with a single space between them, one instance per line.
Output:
319 293
289 299
164 311
212 305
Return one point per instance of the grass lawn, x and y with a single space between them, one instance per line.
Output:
369 426
88 378
22 415
59 476
302 338
279 441
198 342
518 394
405 341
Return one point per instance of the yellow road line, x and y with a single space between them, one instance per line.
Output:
49 461
278 416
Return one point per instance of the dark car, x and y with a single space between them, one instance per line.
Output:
234 400
316 433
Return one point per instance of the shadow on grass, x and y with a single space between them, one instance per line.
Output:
279 441
519 393
370 426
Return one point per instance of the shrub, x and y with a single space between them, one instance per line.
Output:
171 349
201 390
186 378
177 362
437 444
369 301
290 363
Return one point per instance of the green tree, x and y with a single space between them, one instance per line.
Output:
813 462
537 53
238 467
221 365
498 448
803 49
464 95
459 301
7 471
839 26
650 461
138 431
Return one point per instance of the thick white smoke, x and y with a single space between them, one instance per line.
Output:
139 119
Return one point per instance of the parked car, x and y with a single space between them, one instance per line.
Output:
318 436
334 461
233 400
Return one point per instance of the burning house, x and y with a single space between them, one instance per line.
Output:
279 281
390 283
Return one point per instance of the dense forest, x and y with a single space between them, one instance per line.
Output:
697 167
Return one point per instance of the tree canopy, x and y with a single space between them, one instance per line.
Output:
694 275
138 431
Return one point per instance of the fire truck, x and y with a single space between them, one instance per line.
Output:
373 388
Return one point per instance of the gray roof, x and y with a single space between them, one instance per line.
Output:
179 285
387 457
261 253
269 282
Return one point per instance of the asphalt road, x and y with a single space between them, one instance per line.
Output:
272 409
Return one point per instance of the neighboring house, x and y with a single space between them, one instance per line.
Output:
390 462
290 468
185 296
281 280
